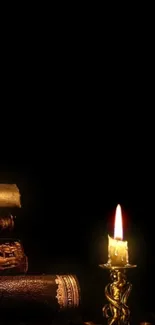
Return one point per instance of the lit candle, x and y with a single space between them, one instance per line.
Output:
117 248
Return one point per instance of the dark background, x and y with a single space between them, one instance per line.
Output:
77 137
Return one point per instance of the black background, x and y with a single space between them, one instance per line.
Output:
77 137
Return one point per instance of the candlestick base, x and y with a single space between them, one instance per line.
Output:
117 293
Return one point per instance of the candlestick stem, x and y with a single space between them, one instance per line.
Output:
117 292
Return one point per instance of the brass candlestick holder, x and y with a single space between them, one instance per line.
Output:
117 292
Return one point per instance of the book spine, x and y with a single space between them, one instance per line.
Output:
9 196
54 295
54 292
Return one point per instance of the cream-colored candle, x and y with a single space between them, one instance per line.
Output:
117 248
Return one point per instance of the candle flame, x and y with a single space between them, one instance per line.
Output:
118 229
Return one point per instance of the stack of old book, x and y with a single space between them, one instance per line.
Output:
12 256
30 298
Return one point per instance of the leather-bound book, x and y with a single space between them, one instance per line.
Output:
66 296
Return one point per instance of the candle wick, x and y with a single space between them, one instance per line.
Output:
118 238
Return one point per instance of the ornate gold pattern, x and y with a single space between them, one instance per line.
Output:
6 223
68 295
12 256
117 294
